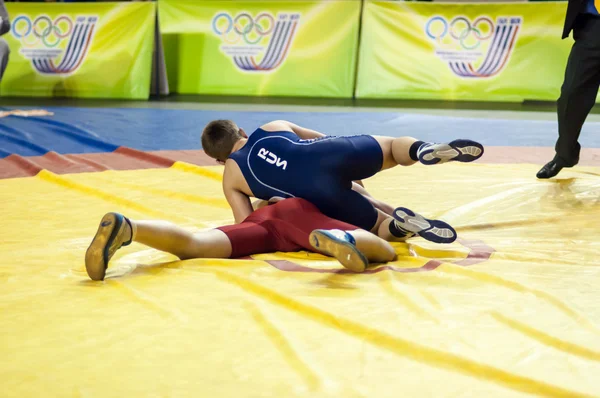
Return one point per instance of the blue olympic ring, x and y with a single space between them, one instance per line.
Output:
428 30
14 26
229 24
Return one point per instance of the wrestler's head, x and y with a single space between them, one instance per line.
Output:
219 137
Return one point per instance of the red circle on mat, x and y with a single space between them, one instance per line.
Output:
479 252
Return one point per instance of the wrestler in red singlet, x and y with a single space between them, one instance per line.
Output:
287 226
284 226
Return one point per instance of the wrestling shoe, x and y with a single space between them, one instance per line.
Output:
113 233
340 245
412 224
457 151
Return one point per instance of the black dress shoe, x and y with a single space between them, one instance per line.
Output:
552 168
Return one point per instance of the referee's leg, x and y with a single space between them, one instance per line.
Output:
578 94
4 54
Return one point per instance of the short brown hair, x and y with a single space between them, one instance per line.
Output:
219 137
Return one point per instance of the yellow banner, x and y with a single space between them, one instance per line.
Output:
489 52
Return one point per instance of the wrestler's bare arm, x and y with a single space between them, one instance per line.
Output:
238 201
283 125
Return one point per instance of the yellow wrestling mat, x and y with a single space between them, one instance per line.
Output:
512 310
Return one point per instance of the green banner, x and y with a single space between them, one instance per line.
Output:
278 48
87 50
488 52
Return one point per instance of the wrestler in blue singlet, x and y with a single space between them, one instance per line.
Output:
319 170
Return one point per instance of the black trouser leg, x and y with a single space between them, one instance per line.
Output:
579 89
4 53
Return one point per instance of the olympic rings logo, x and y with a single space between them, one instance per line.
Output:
460 29
43 29
243 26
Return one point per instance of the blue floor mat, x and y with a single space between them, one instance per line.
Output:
88 130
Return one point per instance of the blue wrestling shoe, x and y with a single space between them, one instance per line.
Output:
113 233
340 245
457 151
415 224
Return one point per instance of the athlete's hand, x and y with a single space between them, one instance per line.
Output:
275 199
259 204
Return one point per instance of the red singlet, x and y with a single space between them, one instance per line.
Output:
283 226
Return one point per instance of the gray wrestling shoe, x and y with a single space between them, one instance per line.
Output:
340 245
113 233
457 151
415 224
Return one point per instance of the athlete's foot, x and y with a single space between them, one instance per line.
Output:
457 151
341 245
113 233
415 224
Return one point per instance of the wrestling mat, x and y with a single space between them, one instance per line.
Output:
509 310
